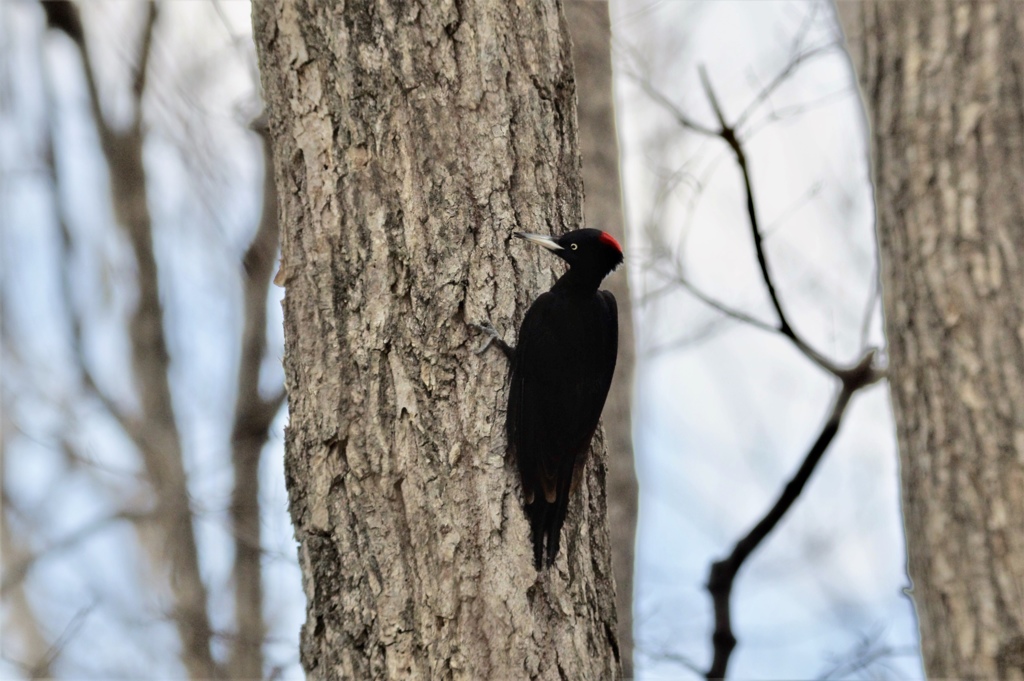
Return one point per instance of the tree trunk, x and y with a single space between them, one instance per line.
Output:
409 142
590 27
944 86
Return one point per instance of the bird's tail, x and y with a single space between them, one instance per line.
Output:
546 520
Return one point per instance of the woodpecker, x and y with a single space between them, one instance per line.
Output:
562 368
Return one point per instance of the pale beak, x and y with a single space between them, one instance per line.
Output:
541 240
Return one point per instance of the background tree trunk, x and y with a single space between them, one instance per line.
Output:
944 89
409 141
590 27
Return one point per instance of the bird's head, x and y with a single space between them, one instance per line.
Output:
589 251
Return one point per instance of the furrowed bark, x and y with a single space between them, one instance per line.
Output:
409 142
943 88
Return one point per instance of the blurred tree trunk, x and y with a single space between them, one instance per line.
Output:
590 28
944 89
409 141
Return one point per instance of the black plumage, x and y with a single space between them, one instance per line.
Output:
561 370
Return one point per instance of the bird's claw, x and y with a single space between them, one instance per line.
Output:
492 334
494 338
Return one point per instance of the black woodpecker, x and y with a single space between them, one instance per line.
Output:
561 371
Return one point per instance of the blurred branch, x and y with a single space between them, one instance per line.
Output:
723 572
851 378
792 209
253 418
130 424
58 646
868 652
728 135
781 77
701 334
142 62
16 571
671 657
20 616
725 309
158 441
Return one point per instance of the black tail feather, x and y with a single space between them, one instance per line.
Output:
546 520
538 511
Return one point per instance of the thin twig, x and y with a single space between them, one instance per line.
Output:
780 78
728 135
142 62
725 309
16 572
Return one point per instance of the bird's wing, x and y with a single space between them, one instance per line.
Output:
609 350
527 418
560 379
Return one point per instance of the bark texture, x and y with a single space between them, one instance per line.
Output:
944 89
590 26
409 142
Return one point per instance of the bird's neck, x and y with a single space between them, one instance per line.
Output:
578 281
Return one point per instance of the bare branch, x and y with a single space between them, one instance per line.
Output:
63 15
141 67
781 77
16 572
657 95
131 426
728 135
158 441
868 652
707 331
852 378
19 615
58 646
871 305
723 572
678 114
672 657
725 309
792 209
253 418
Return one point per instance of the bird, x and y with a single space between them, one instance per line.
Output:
562 368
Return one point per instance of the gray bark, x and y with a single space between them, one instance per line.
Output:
590 26
944 90
409 141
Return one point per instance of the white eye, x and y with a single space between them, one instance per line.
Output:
574 246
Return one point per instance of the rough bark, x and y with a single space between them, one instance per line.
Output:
590 27
943 85
409 141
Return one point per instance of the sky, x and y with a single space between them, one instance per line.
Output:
723 412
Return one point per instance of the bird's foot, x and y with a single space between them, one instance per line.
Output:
493 338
